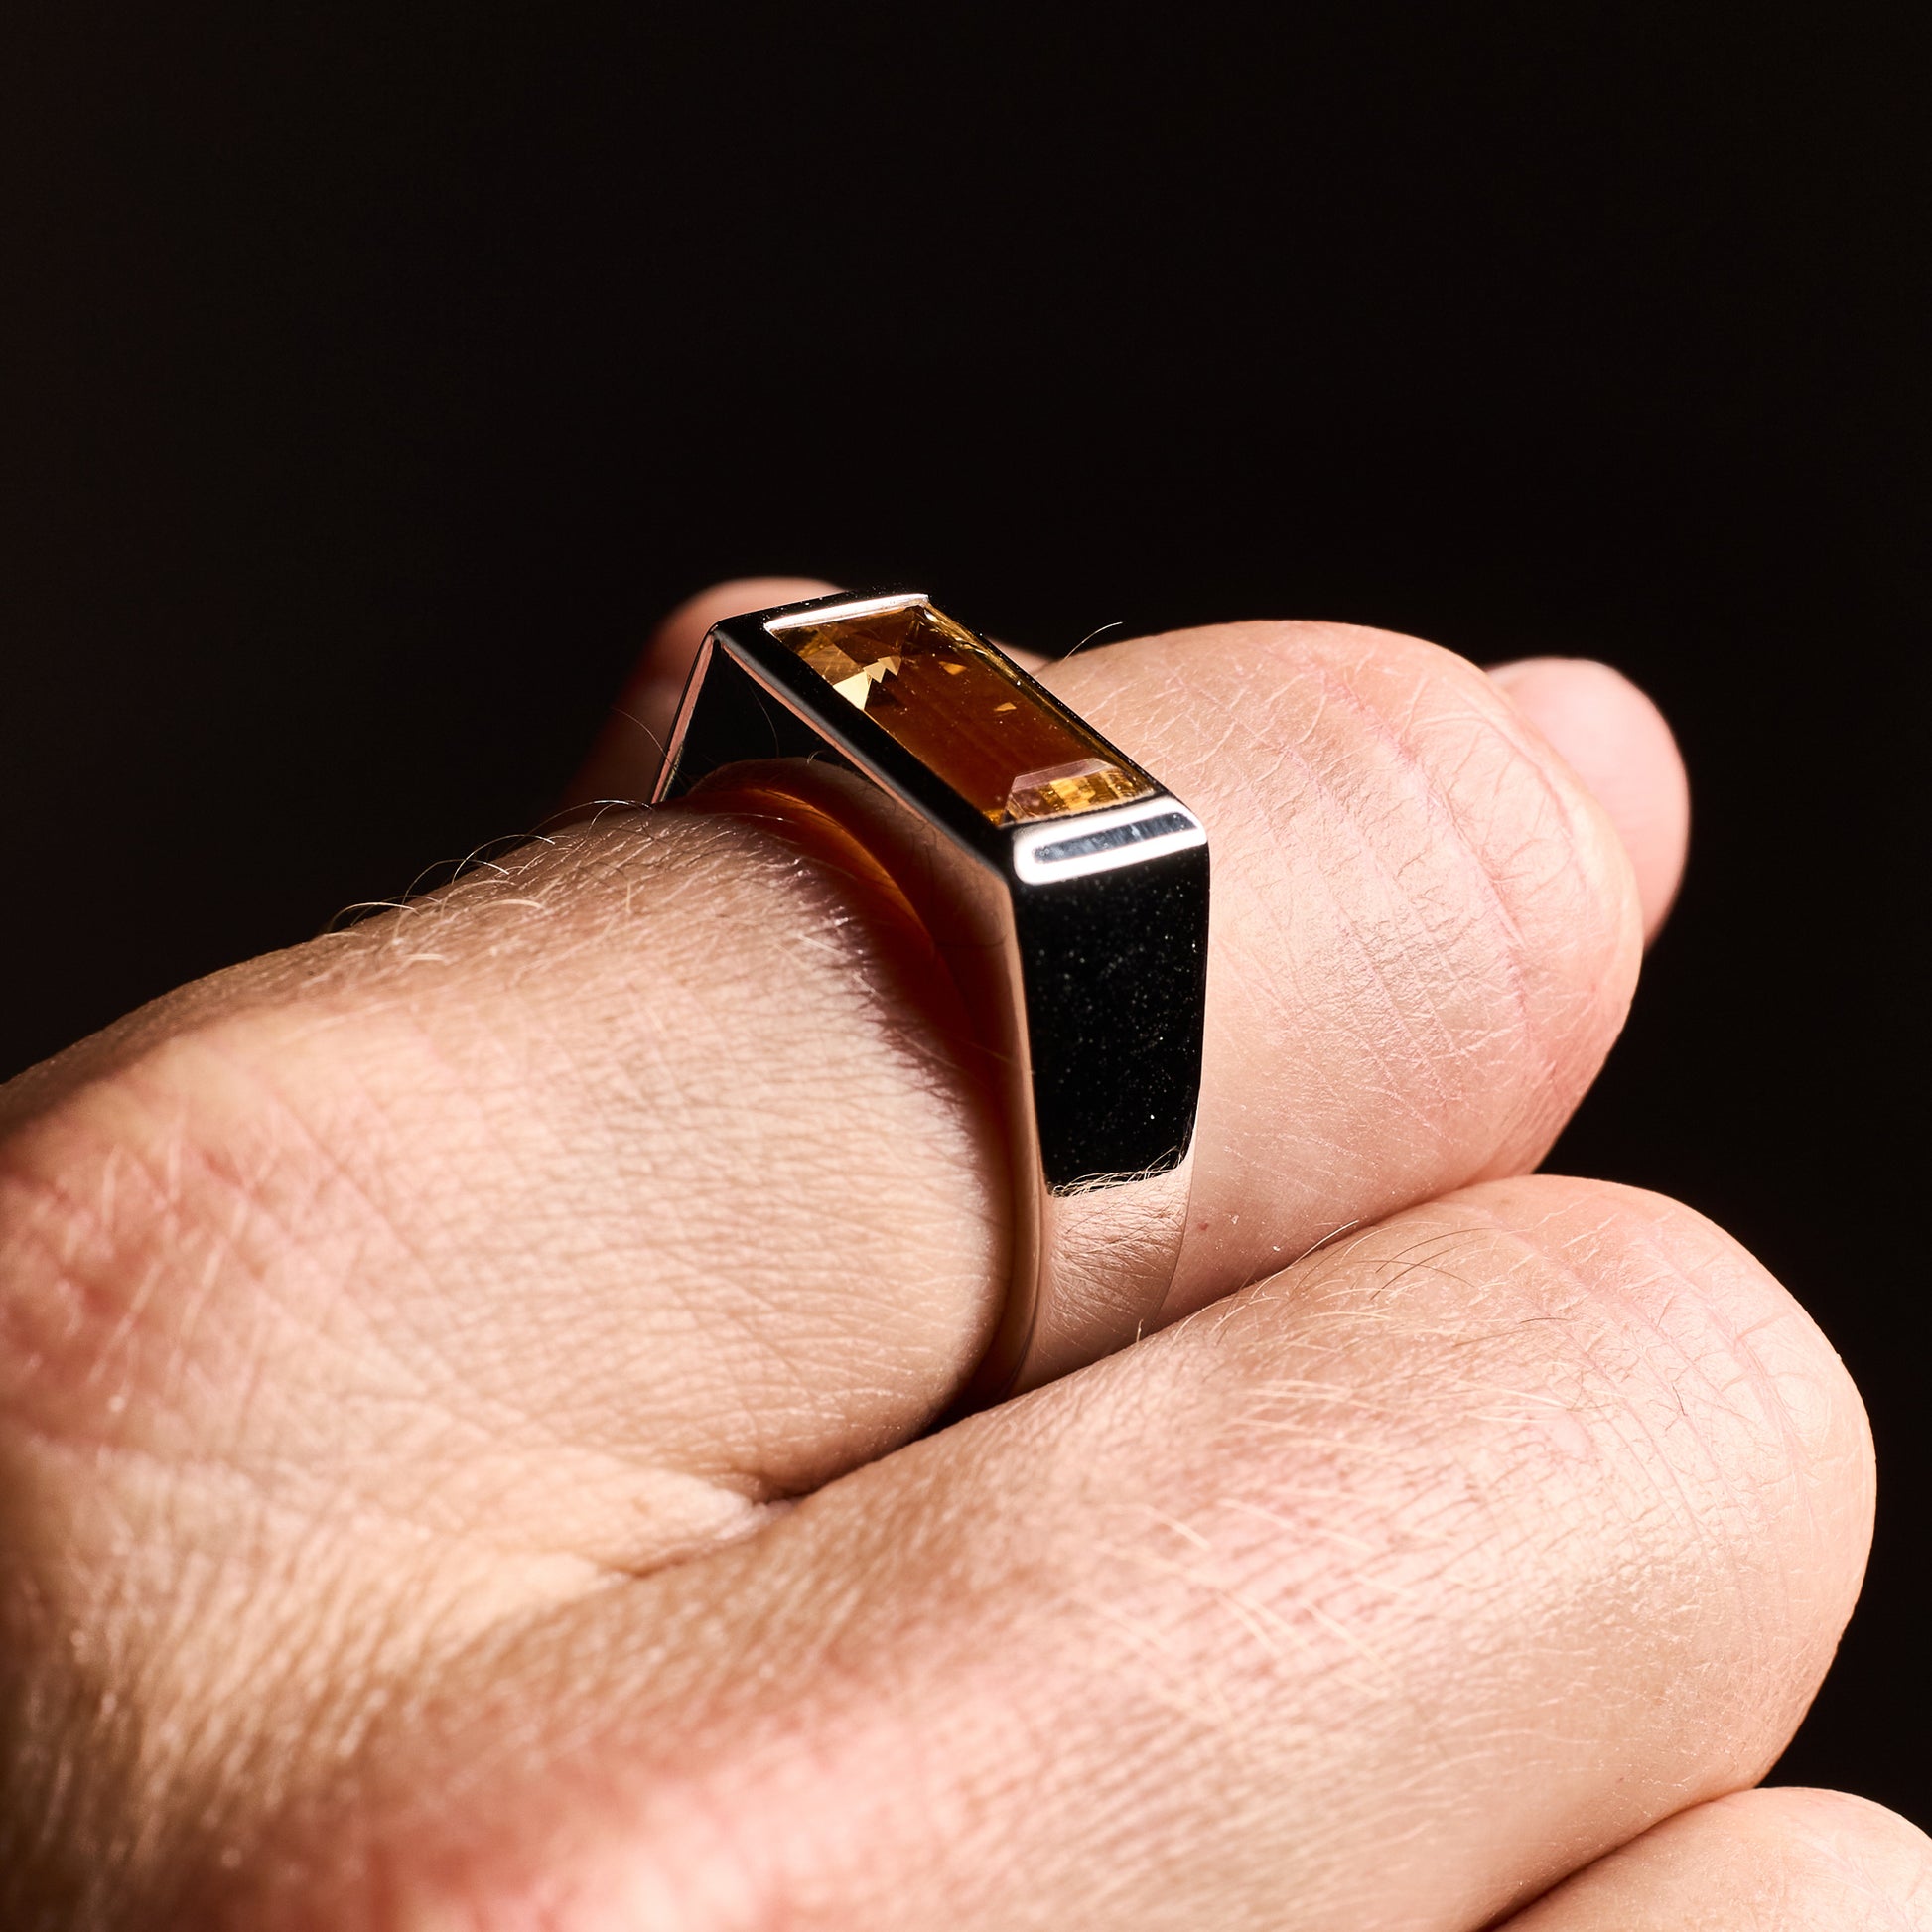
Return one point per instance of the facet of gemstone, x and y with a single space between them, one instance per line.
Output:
974 720
846 674
1082 786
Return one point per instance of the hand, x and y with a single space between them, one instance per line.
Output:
462 1400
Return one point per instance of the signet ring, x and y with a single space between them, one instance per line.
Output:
1065 889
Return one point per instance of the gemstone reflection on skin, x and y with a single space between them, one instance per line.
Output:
966 713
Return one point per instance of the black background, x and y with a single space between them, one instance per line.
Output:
371 382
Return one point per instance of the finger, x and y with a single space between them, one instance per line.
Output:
624 761
1618 744
1389 1593
1783 1860
1378 825
643 1177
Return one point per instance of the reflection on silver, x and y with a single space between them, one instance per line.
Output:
1104 841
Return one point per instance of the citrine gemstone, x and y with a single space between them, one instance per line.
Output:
973 719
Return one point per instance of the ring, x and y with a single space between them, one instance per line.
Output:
1066 891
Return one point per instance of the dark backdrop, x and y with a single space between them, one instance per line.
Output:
370 381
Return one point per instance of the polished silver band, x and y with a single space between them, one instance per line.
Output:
1077 933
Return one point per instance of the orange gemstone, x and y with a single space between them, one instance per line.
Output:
976 721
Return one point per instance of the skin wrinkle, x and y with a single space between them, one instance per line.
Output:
1686 1503
1776 1405
333 1171
1432 795
260 1686
1615 1413
1444 799
1376 969
246 1201
1364 851
91 1308
299 1510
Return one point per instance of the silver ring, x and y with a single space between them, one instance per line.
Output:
1066 891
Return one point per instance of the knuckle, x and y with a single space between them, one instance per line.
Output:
1868 1864
1712 1336
144 1209
128 1211
1727 1452
1478 884
1537 1413
1784 1856
1513 865
1456 760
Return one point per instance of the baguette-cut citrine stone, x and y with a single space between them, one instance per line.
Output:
965 713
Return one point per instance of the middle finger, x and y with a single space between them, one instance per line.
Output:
1385 1594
